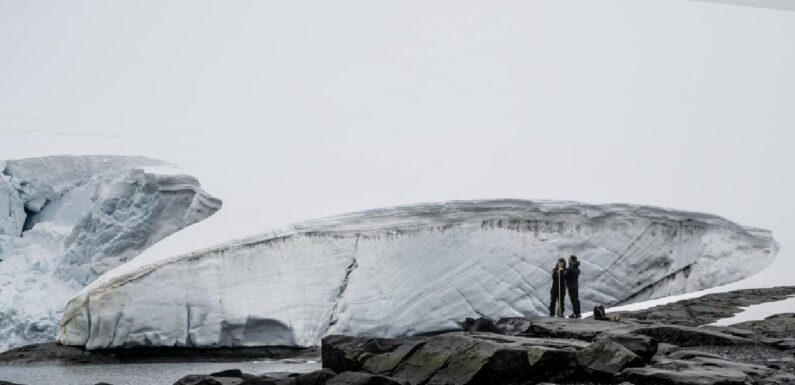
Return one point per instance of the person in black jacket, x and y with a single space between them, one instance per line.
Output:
571 275
558 291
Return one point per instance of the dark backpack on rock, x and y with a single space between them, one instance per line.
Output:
480 325
599 313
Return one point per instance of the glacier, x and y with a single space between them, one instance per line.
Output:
65 220
408 270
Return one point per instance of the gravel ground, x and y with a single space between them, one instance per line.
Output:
753 354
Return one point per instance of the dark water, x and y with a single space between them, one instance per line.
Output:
139 374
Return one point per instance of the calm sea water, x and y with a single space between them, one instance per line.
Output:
139 374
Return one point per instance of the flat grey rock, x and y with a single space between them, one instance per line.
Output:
696 368
689 336
549 327
776 326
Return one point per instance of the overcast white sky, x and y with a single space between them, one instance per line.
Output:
295 110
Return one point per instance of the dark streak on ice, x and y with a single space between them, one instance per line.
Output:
188 341
344 284
685 270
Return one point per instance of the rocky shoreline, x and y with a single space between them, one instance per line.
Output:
666 345
54 353
548 350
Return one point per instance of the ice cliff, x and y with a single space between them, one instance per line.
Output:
65 220
408 270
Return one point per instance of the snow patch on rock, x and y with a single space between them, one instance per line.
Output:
758 312
408 270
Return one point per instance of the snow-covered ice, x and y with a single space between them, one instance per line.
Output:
64 220
406 270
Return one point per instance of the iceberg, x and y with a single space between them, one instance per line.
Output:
408 270
65 220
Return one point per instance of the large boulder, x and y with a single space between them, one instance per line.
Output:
386 363
348 353
477 358
604 358
642 345
465 359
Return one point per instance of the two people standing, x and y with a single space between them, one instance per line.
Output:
565 279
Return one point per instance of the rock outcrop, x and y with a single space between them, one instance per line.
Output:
471 358
698 368
558 351
709 308
777 331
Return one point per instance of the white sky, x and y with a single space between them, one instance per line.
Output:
296 110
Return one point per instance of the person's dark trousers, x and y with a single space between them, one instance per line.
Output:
553 302
574 295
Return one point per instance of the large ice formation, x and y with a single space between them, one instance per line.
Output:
408 270
64 220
